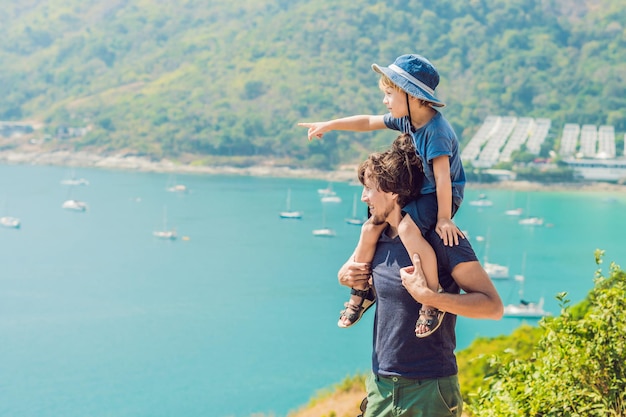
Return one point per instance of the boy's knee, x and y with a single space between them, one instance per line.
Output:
370 233
407 226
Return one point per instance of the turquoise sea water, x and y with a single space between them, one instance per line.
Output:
98 318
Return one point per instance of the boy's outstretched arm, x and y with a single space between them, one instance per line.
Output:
358 123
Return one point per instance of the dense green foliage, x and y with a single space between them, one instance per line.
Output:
217 79
476 363
577 368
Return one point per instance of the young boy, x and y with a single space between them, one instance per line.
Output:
409 94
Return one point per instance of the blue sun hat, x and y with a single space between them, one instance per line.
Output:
415 75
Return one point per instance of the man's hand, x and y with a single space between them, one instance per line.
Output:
414 280
354 274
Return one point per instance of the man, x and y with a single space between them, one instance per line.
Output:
413 376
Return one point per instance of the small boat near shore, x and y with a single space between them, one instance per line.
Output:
74 205
165 233
525 309
331 199
177 188
324 231
496 271
481 201
10 222
531 221
328 191
289 213
174 186
73 180
354 219
514 212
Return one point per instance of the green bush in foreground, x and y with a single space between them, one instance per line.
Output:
578 366
476 363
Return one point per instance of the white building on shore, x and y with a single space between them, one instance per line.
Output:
596 169
592 154
589 150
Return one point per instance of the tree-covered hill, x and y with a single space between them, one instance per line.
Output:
222 78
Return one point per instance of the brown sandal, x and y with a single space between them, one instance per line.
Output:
433 323
354 312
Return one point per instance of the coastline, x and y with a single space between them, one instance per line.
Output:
345 173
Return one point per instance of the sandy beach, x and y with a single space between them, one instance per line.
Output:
344 173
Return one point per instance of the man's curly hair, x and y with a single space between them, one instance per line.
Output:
397 170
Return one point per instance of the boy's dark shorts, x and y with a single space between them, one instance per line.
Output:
424 210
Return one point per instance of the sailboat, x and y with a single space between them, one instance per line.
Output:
174 187
514 212
495 271
326 191
330 198
72 204
289 213
165 233
525 308
530 220
481 201
324 231
10 221
357 221
327 195
74 181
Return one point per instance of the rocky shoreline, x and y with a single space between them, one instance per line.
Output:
344 173
136 163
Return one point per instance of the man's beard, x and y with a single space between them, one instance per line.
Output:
377 220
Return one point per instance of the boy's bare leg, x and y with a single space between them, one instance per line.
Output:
414 242
364 252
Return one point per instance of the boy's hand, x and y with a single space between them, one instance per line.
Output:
448 232
316 130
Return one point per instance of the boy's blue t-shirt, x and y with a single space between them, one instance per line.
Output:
434 139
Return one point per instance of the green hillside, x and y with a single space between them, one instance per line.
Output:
198 80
